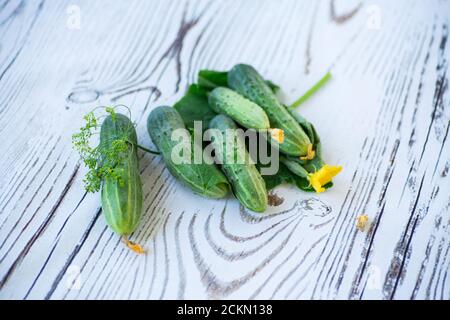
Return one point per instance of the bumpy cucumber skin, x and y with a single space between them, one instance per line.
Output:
122 204
248 185
161 122
245 112
245 80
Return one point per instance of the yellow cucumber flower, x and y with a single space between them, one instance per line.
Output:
320 178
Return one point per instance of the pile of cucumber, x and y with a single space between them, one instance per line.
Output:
239 98
244 97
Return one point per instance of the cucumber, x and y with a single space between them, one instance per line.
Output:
295 167
122 201
245 112
204 179
246 80
247 184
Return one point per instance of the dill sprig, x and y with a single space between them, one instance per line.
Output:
104 160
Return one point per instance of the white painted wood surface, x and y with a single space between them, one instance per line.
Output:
384 117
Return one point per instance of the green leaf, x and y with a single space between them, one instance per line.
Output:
304 185
208 179
275 88
194 107
210 79
284 175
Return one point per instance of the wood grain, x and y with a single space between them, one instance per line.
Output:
384 117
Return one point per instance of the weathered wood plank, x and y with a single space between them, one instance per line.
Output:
384 117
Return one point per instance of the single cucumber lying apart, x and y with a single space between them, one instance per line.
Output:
203 178
113 168
248 185
246 80
121 198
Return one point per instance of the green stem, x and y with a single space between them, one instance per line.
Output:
143 148
311 91
147 150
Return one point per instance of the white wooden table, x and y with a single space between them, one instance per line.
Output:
384 117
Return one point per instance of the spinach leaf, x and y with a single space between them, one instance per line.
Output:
194 107
210 79
275 88
284 175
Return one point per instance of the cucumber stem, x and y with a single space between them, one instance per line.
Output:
311 91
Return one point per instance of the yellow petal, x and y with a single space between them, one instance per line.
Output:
361 222
277 135
133 246
316 184
311 153
320 178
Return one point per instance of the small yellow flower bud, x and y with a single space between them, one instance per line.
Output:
277 135
361 222
311 153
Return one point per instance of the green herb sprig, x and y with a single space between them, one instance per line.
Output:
103 160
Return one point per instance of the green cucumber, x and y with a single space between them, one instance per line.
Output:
246 80
246 181
295 167
203 178
245 112
122 200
